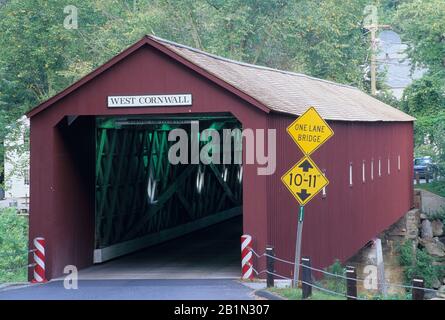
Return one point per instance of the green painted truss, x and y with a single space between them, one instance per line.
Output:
138 191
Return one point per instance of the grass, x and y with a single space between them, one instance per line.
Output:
296 294
437 187
399 296
438 215
336 284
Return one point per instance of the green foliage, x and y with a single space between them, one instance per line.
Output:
420 265
39 57
400 296
388 98
296 294
429 134
35 49
335 283
327 39
439 215
425 150
437 187
13 246
425 96
422 24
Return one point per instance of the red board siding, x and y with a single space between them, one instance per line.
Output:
340 224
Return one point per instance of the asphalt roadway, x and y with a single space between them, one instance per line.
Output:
203 265
173 289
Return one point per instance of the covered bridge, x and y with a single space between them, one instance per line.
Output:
102 185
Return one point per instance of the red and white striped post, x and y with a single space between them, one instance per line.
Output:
246 257
39 260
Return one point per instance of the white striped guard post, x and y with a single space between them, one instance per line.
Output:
246 257
39 259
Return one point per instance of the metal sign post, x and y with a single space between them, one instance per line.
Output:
298 247
304 180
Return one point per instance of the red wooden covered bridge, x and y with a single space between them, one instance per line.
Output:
102 185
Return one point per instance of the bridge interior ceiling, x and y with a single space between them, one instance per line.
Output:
139 192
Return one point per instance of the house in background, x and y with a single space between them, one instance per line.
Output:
16 167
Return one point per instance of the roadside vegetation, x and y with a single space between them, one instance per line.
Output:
328 282
13 246
420 264
439 215
335 284
296 294
437 187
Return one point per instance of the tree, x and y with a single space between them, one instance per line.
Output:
39 57
421 24
321 39
424 97
35 50
13 246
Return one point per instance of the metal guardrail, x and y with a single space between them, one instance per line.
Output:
334 275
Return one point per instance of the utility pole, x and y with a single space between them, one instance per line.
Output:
371 22
373 31
373 28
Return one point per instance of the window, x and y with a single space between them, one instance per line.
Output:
363 172
372 169
398 162
380 167
389 166
323 192
422 161
350 174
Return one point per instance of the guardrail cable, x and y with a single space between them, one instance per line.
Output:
19 268
330 291
399 285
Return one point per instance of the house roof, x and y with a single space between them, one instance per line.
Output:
267 88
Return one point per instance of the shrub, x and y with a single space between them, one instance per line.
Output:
13 246
397 296
438 215
437 187
334 283
419 266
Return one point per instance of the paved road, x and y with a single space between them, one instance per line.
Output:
211 253
212 289
211 257
431 202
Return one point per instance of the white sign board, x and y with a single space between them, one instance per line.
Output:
150 100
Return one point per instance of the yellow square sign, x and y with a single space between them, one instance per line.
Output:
310 131
304 180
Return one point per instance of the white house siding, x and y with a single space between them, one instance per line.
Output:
17 166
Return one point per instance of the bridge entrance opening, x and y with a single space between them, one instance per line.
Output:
157 212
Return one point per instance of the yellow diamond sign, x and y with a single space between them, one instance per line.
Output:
310 131
304 180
